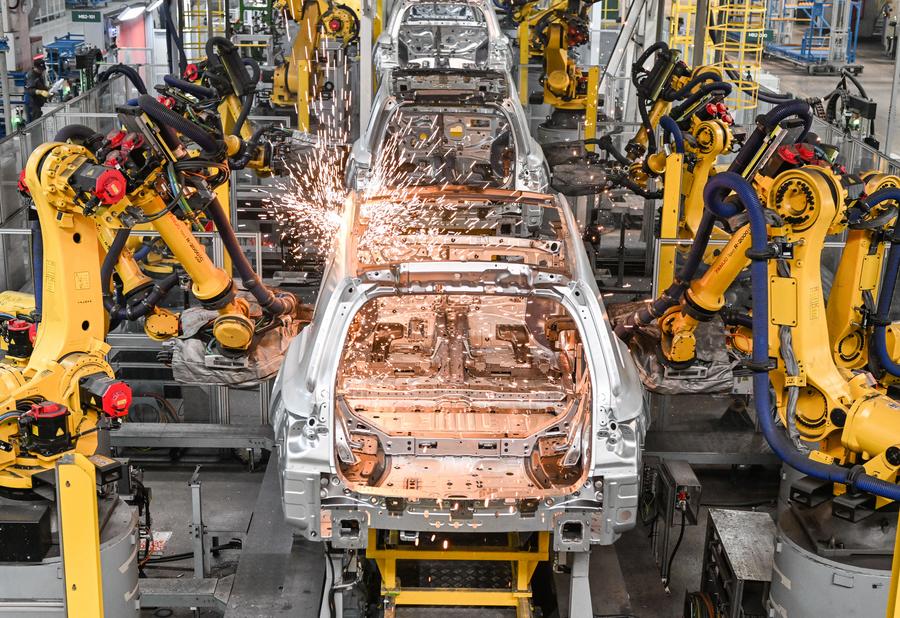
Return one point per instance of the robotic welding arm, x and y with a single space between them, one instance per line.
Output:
841 428
294 82
66 391
693 100
851 307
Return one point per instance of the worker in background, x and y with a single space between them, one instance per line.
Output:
36 89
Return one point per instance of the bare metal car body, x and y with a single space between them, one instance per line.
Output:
459 374
454 35
446 105
450 127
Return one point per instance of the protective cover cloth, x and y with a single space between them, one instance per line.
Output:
196 362
713 359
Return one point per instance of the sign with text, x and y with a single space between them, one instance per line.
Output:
86 17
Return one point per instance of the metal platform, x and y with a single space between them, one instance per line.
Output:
170 592
710 447
277 576
192 435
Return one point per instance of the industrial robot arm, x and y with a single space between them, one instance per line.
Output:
294 81
840 427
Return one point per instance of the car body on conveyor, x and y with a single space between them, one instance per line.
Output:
446 110
459 371
438 127
462 35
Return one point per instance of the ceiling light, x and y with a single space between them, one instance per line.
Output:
131 12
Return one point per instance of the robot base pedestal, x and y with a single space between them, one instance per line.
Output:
836 580
36 589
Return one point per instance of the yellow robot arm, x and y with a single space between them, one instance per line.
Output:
294 82
53 404
855 287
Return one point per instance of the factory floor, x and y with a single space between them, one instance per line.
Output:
229 493
876 77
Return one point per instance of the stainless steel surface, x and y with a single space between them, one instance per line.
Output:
747 540
171 592
737 561
192 435
277 577
710 447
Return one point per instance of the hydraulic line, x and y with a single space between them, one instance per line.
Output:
146 303
714 194
201 92
645 120
210 48
255 71
873 224
705 89
888 284
697 79
246 104
675 550
179 43
166 117
123 69
606 143
638 66
143 251
270 303
249 149
74 131
672 130
733 317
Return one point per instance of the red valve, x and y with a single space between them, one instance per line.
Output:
191 72
17 325
167 101
805 152
789 154
23 188
110 187
722 108
711 109
115 138
132 141
334 25
114 159
116 400
48 409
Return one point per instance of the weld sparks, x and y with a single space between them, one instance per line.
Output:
308 203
